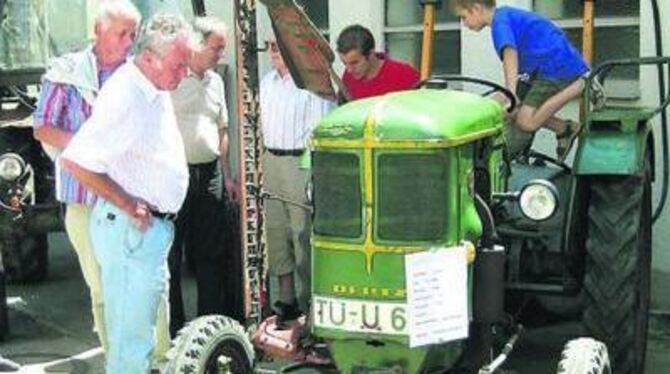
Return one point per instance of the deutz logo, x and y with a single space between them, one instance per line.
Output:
384 292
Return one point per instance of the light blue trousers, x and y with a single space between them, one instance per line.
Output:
134 279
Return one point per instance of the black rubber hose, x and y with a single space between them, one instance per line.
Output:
490 234
664 117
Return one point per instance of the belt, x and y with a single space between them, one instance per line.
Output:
286 152
165 216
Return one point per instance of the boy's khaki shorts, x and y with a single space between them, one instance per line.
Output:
541 90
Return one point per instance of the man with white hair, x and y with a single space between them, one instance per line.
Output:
202 117
69 89
130 154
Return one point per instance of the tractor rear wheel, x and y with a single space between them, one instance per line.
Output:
203 341
618 267
584 356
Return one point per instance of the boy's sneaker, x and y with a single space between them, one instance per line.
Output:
565 140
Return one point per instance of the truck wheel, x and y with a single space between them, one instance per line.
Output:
618 268
26 259
584 356
199 345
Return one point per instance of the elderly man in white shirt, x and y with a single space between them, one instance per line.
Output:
202 117
288 115
130 154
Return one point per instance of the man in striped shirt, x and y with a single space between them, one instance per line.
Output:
288 115
69 89
131 155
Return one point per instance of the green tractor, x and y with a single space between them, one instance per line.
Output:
419 209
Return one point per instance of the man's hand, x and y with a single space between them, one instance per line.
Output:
232 188
103 186
142 217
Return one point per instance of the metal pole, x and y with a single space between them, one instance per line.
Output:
251 204
587 49
587 34
427 46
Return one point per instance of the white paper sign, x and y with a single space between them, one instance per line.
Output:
437 296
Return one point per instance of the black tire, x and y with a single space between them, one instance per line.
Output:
618 268
584 356
26 260
199 345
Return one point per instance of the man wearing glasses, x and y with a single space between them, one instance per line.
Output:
288 115
202 117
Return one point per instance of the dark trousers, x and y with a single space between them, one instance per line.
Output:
203 234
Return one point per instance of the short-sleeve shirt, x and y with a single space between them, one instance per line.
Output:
394 75
132 137
63 107
288 113
200 107
543 48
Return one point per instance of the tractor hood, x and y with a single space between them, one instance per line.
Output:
441 118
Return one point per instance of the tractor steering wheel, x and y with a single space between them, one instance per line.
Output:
442 81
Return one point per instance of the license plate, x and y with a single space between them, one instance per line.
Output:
360 316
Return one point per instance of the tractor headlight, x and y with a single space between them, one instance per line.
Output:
12 166
538 200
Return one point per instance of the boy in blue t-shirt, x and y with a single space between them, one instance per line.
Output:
533 49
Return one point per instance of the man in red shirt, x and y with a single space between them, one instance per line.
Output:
369 73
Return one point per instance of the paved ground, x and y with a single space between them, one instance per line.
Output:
51 321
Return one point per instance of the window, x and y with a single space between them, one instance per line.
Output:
616 35
317 11
403 32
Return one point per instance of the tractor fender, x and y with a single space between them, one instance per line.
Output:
613 152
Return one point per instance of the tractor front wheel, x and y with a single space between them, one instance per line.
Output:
618 267
203 342
584 356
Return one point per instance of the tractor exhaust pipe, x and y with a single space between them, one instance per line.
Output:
489 271
489 285
488 291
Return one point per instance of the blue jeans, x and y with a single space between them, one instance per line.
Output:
134 279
